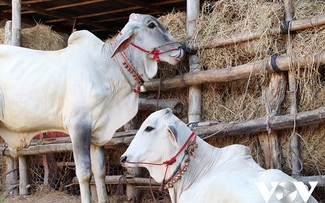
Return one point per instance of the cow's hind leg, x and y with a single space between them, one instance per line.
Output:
99 171
80 134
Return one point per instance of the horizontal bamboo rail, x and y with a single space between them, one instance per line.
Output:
153 104
121 179
234 73
296 25
204 130
263 124
128 179
306 179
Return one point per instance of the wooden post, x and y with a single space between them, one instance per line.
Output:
294 142
16 22
16 28
132 194
11 162
8 35
195 100
23 176
12 182
273 97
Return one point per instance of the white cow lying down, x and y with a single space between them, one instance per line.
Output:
81 90
206 174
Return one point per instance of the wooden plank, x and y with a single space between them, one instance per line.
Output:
233 73
58 15
74 5
90 15
35 1
145 5
121 10
124 17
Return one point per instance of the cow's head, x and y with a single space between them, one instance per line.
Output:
159 138
151 41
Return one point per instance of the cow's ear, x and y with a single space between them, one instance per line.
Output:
123 42
172 135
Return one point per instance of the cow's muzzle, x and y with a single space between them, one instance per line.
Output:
123 160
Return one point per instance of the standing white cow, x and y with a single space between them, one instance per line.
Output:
81 90
194 171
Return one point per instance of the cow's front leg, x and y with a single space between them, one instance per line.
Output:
80 134
99 171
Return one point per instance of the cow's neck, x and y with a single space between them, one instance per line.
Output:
121 73
136 62
205 158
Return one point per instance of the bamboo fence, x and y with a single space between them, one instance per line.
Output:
277 65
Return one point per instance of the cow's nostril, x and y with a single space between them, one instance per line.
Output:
183 46
123 159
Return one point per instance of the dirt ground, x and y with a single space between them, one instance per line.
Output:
44 195
55 197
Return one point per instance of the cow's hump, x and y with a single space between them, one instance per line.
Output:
83 37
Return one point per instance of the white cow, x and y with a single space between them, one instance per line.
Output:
194 171
81 90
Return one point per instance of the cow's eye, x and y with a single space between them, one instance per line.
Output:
149 128
151 25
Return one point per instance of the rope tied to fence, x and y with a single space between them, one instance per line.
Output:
285 27
5 147
274 65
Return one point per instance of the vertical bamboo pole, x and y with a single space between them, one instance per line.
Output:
132 194
273 97
296 167
16 28
11 162
23 176
16 22
194 106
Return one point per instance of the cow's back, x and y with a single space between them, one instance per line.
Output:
31 83
34 84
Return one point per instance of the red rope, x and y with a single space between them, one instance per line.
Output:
170 161
130 68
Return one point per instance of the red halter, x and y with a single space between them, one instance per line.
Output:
132 70
155 51
171 160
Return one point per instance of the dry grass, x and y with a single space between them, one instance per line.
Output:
242 100
312 149
40 37
43 194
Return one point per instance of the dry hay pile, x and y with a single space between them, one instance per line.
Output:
40 37
242 100
44 194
